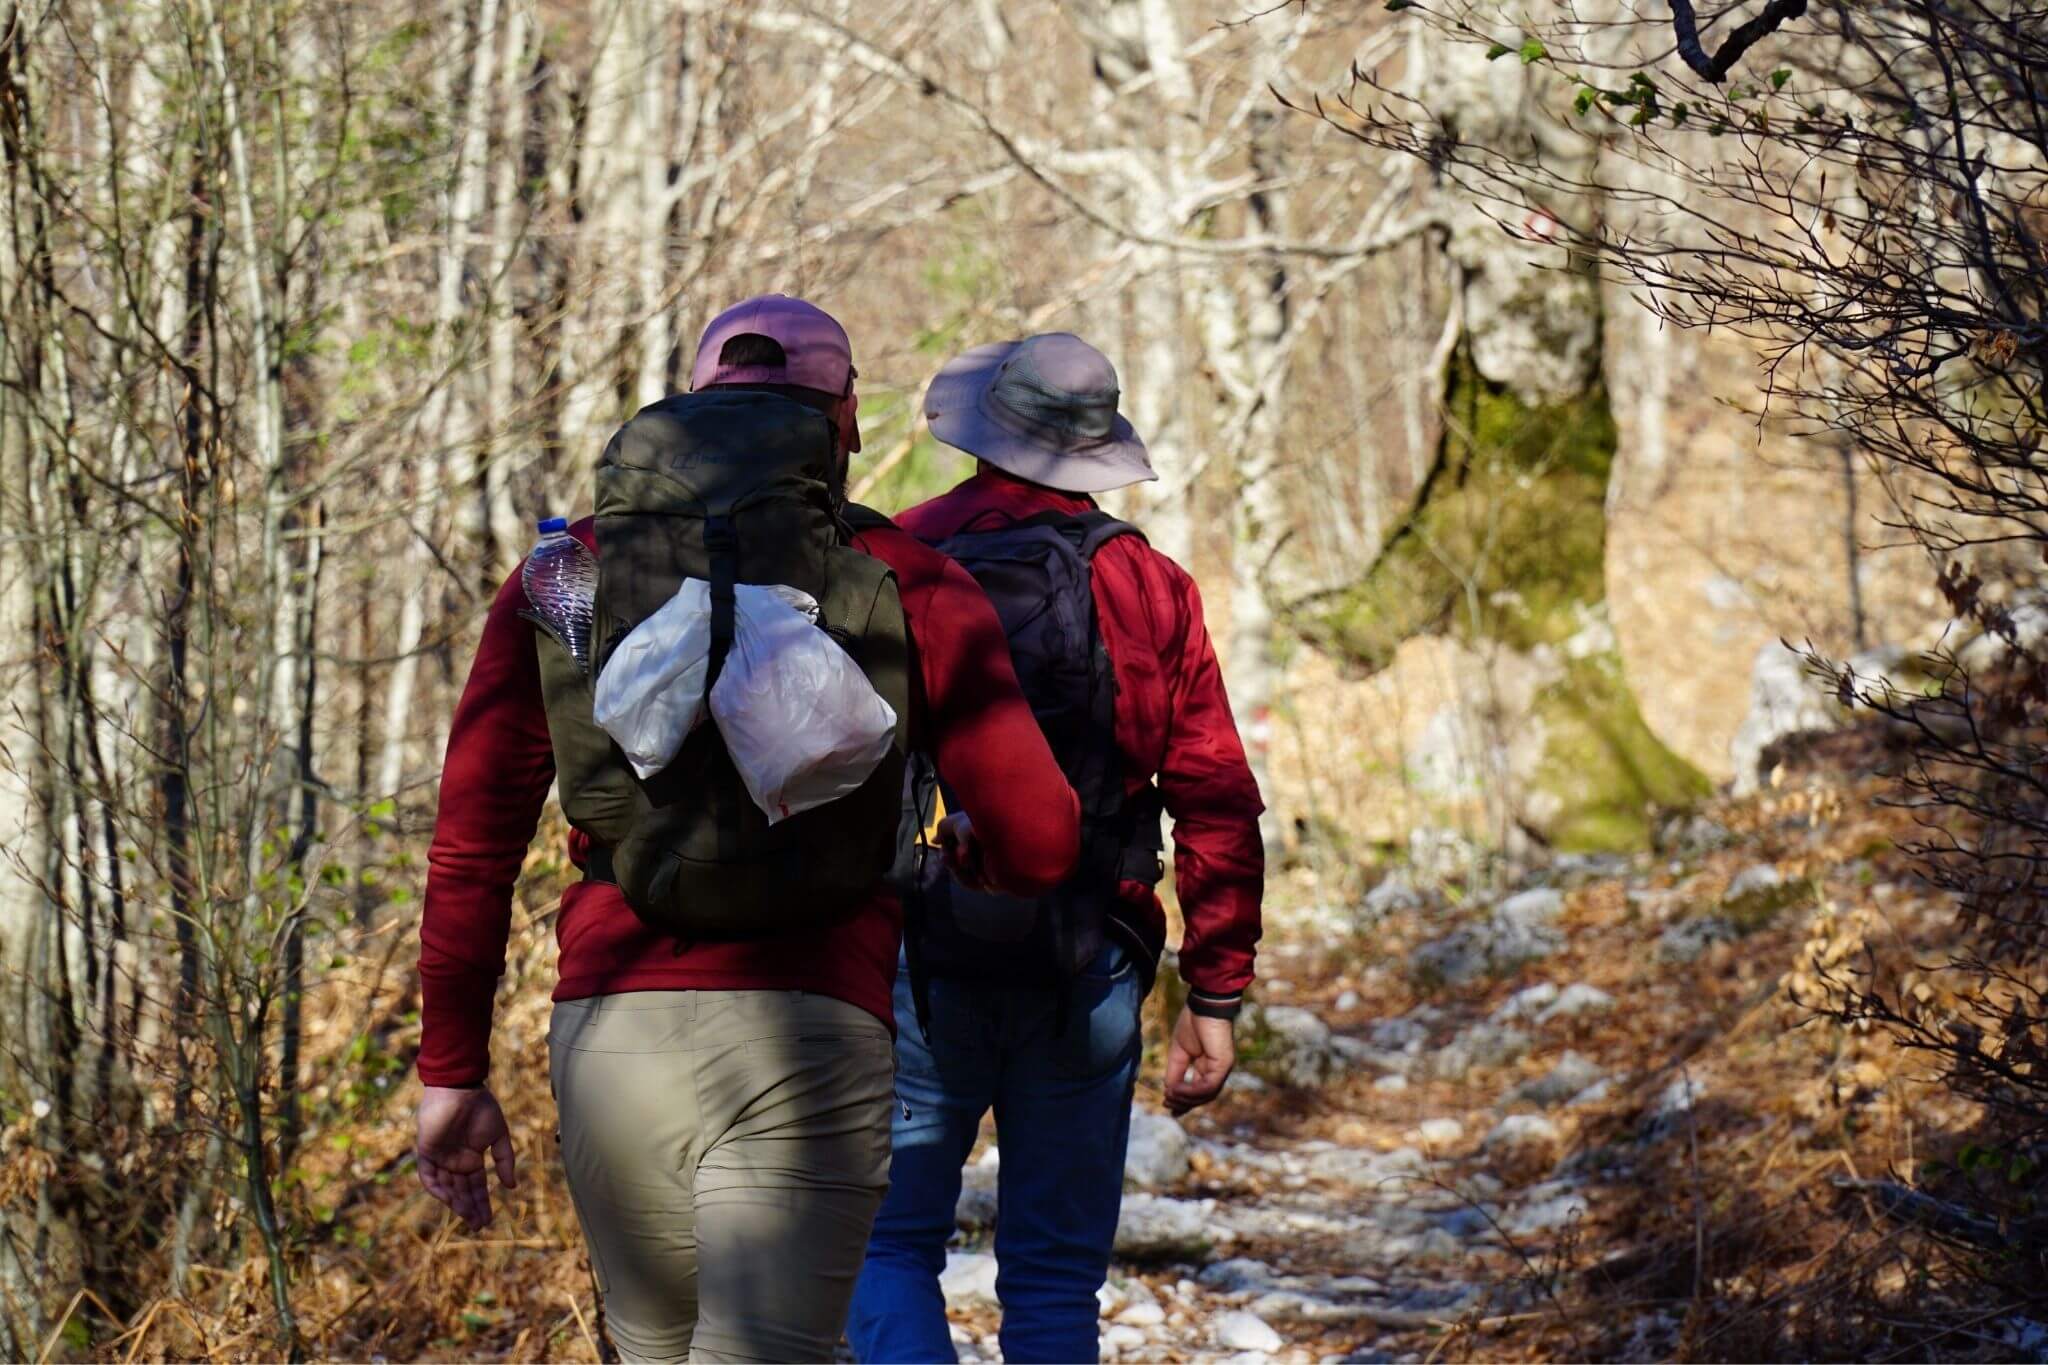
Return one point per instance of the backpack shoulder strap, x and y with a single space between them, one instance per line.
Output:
1088 531
860 518
1098 528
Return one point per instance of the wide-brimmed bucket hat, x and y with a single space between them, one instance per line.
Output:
1044 409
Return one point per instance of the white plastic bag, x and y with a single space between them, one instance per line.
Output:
803 724
650 694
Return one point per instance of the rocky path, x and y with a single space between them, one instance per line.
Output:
1409 1153
1338 1204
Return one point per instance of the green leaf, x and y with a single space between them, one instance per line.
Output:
1679 113
383 810
1498 50
1780 76
1585 99
1533 51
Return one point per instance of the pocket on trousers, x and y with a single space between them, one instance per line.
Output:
824 1103
1113 963
1103 1034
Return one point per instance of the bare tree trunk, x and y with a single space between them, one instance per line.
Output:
1260 522
590 341
22 902
647 147
305 639
1161 373
452 407
506 456
276 690
174 778
24 906
448 418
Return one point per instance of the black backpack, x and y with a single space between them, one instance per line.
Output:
730 487
1037 574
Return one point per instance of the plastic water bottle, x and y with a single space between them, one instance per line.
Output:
560 578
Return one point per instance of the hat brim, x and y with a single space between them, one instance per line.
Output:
953 405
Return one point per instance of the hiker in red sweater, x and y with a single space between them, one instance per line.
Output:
1034 1001
724 1105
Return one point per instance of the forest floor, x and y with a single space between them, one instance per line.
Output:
1588 1116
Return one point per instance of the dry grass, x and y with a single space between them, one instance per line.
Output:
1730 1233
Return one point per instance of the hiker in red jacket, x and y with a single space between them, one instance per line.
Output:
1034 1002
724 1106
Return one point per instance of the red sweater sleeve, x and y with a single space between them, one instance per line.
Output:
1219 860
978 727
493 783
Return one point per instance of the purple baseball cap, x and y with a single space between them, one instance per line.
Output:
818 354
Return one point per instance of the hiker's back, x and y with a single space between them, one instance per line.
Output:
730 487
1037 573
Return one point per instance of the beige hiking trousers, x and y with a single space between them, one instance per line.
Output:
727 1152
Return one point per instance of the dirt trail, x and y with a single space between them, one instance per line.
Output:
1568 1117
1496 1129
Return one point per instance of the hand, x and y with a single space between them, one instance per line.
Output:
1198 1061
456 1128
962 849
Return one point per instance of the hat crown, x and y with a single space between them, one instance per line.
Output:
817 353
1058 382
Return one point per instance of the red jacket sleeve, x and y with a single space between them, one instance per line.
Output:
1219 860
494 781
978 727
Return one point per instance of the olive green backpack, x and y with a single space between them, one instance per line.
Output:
730 486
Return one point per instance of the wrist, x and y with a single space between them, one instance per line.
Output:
460 1086
1204 1005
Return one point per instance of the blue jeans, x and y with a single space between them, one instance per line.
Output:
1062 1099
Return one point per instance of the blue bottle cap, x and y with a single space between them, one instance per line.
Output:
553 524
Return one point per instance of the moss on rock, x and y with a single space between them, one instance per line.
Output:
1510 534
1508 545
1603 776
